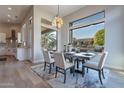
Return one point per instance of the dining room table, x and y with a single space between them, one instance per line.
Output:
80 57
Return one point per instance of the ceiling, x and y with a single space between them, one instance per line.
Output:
64 9
18 12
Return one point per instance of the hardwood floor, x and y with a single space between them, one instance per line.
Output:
15 74
19 75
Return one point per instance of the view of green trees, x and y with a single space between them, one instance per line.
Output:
48 40
97 40
99 37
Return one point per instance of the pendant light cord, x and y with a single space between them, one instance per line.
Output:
58 10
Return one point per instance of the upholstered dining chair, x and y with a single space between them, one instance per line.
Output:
98 67
48 60
63 65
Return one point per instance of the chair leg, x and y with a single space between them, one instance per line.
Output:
56 72
64 76
53 64
74 71
71 70
87 70
50 68
44 66
83 71
100 77
103 74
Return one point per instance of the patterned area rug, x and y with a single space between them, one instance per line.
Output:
90 80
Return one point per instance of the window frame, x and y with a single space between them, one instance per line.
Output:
71 27
71 23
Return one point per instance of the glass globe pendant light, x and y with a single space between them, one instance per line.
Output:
57 21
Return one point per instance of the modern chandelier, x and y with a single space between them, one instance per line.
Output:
57 21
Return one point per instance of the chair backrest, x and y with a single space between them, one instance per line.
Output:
47 56
59 60
102 60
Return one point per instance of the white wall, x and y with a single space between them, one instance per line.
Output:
38 13
114 26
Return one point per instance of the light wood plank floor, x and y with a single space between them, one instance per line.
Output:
19 75
15 74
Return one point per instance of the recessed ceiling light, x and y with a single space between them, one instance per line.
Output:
9 8
9 15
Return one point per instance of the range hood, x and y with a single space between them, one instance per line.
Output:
13 36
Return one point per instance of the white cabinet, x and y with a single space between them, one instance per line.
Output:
8 51
2 37
24 33
19 39
22 54
26 37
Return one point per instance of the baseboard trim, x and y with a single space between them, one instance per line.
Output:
114 68
38 61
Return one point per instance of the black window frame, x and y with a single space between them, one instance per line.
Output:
71 24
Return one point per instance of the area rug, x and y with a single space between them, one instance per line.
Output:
90 79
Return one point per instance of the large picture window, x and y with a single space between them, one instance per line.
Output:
88 33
